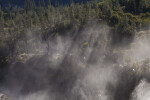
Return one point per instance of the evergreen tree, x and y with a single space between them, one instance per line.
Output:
1 19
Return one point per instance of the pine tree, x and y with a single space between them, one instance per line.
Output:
43 3
35 19
1 19
49 3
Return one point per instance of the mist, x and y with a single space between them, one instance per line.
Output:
79 65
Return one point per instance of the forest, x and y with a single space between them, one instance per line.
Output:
32 32
123 16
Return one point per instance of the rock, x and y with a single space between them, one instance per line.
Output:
3 97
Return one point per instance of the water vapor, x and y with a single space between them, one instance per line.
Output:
82 64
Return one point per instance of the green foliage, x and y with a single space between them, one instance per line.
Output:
124 16
145 17
125 28
114 19
107 8
135 6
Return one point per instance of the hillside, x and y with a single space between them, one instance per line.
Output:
75 50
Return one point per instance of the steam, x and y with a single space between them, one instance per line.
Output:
80 65
142 91
140 48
